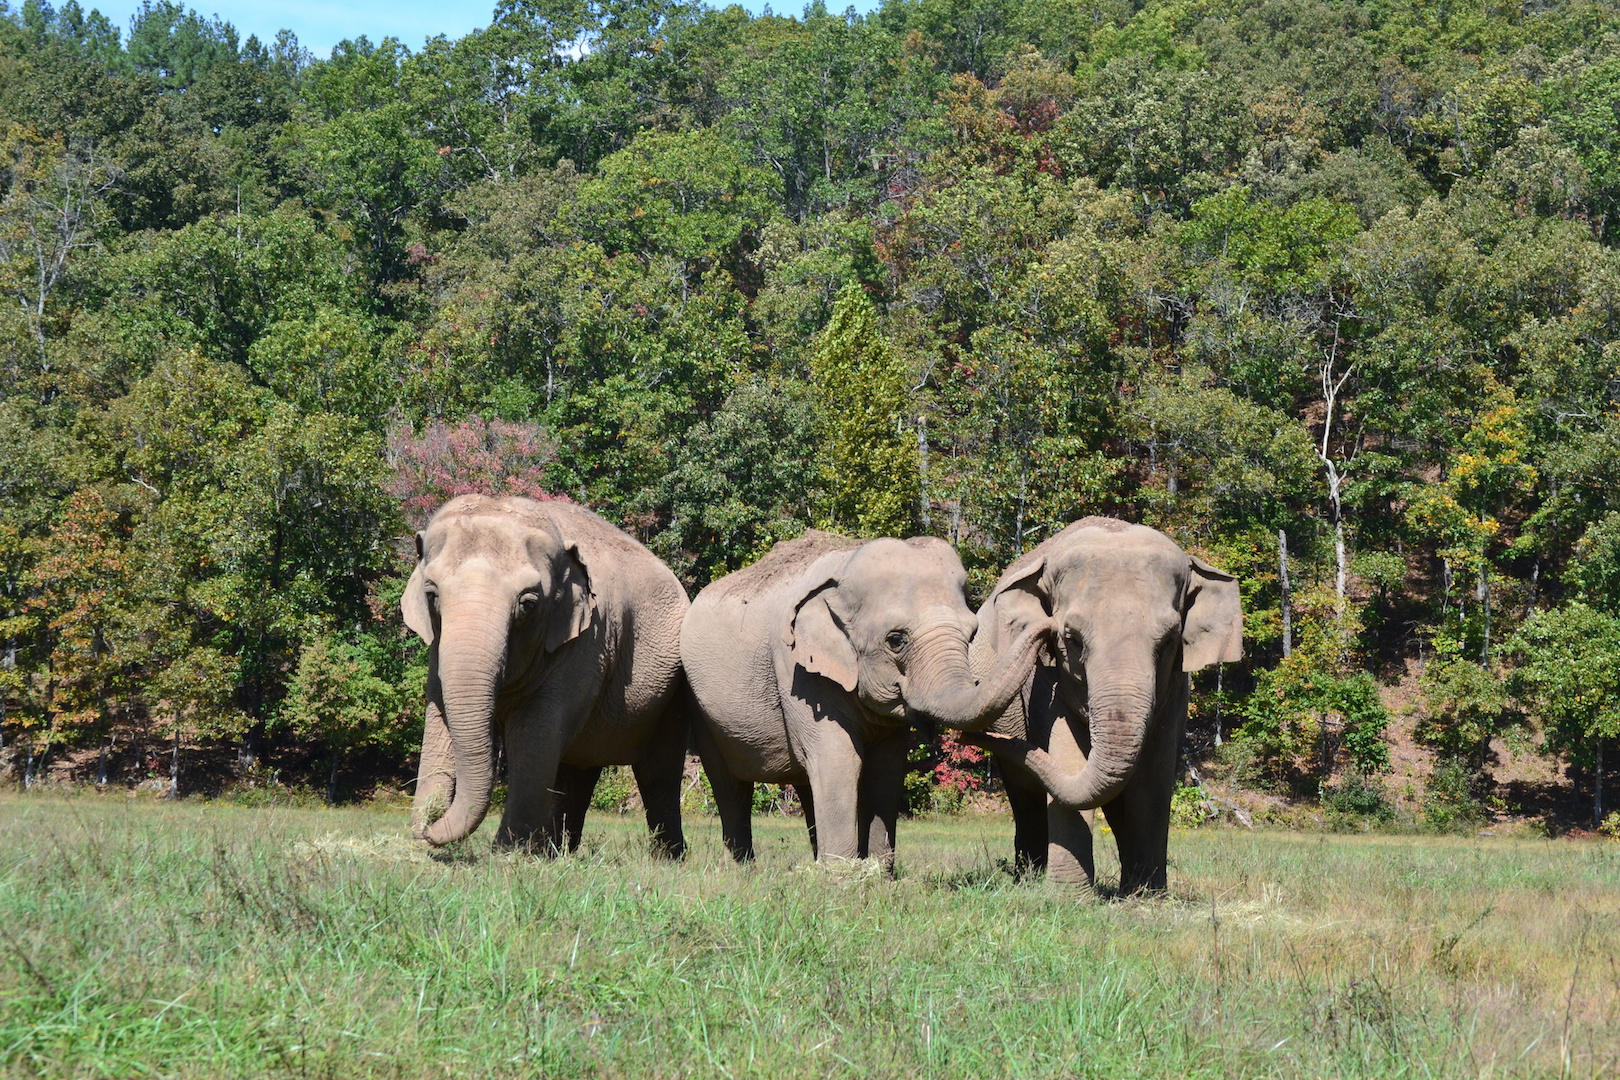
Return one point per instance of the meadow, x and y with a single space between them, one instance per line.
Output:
203 940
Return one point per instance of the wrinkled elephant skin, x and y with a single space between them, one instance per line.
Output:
1101 725
809 666
555 630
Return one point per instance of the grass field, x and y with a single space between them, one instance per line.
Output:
198 940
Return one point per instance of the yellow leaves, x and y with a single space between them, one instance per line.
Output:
1485 476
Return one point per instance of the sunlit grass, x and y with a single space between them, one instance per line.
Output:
194 940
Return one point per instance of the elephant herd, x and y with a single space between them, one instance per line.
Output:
573 641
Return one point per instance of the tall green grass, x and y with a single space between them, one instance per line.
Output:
196 940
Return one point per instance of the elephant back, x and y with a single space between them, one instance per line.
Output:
782 564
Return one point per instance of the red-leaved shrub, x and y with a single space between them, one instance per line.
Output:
472 457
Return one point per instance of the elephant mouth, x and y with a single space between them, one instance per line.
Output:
889 702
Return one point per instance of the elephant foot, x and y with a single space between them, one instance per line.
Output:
1080 888
1072 871
668 844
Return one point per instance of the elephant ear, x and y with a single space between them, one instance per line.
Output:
572 601
1020 599
819 636
1212 619
413 604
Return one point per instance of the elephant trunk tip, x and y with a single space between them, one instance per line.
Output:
458 823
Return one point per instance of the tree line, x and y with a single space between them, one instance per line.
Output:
1327 290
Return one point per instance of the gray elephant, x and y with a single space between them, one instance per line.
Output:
549 625
1102 726
808 667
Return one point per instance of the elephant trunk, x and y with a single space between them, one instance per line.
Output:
942 687
1120 714
472 654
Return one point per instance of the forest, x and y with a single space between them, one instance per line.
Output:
1326 290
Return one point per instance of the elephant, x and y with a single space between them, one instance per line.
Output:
1100 723
549 625
808 667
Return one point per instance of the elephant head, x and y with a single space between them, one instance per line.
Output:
889 622
491 595
1134 612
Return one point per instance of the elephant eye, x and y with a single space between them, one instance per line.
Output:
896 640
526 603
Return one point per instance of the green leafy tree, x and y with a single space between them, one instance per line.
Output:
745 478
1568 679
689 196
870 460
337 698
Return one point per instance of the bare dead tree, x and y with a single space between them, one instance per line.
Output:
50 209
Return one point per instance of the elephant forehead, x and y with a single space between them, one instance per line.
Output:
1120 563
920 565
498 539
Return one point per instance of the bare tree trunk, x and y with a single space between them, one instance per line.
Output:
1326 748
1287 597
1597 786
174 764
922 471
1219 668
1341 567
101 764
28 769
1018 522
1333 384
331 782
8 662
1482 593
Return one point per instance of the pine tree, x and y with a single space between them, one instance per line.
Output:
869 459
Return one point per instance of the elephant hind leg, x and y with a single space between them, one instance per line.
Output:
808 802
574 789
733 798
660 788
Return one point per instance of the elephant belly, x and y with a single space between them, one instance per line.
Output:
726 651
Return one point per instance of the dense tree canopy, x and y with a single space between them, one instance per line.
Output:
1325 289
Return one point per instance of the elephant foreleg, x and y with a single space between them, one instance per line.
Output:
436 776
534 782
833 763
1140 816
883 793
1069 859
1029 828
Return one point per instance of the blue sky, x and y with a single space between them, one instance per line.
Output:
320 26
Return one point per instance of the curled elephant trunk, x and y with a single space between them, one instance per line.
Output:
942 687
472 651
1119 723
